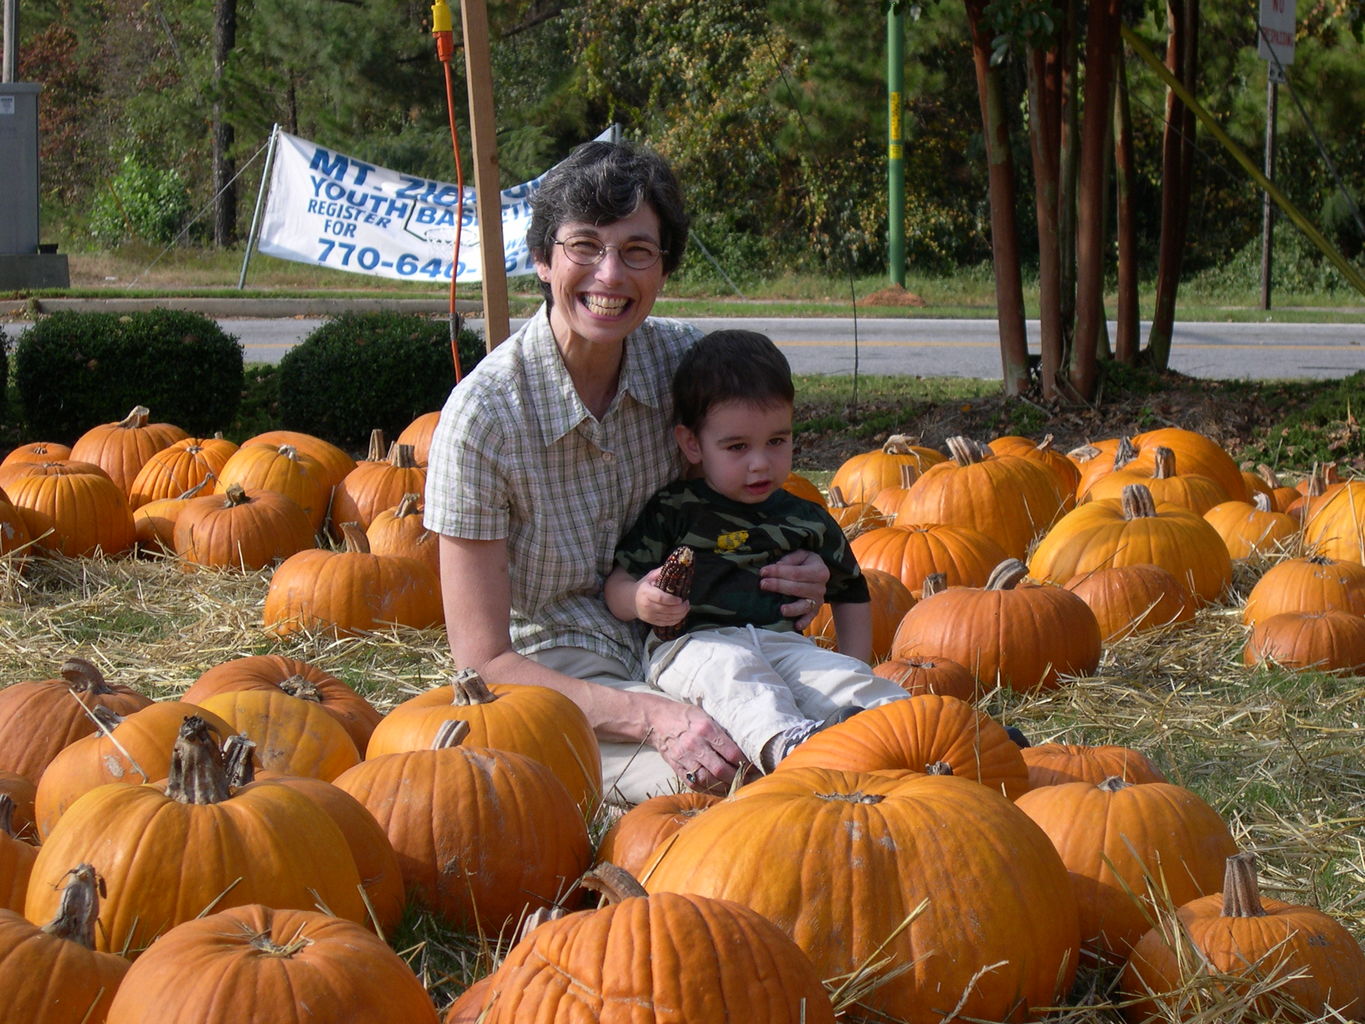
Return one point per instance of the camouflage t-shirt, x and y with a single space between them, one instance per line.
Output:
732 541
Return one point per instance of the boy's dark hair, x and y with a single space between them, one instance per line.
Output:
601 183
727 366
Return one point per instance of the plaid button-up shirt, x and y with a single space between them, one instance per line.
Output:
518 456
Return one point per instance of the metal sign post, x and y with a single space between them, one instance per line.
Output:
1276 32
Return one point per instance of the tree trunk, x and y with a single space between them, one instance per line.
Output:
224 169
1044 95
1068 45
1102 37
1177 170
1127 336
1009 290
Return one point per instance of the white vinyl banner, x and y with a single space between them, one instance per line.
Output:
333 210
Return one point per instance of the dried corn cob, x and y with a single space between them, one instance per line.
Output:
675 577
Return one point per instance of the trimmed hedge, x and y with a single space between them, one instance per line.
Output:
74 371
360 371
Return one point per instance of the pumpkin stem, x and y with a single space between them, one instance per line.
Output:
900 444
356 541
136 418
909 474
470 689
187 495
1007 575
82 675
614 883
836 497
853 798
1125 453
1241 893
451 733
106 719
402 456
197 775
1113 783
934 583
1262 502
1083 453
305 689
1045 444
236 495
237 763
79 908
1163 463
376 452
1137 502
536 918
7 815
965 451
1268 475
407 506
263 945
938 768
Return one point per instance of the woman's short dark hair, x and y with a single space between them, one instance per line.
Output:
729 366
601 183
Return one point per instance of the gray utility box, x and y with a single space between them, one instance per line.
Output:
23 264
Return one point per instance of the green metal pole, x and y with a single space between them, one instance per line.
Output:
895 150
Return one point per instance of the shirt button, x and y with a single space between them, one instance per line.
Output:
609 456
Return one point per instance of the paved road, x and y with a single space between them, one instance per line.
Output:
969 348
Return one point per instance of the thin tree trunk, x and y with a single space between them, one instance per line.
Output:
1126 338
1044 95
1068 45
224 169
1177 170
1009 290
1102 36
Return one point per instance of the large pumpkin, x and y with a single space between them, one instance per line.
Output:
668 958
913 734
862 476
1051 764
1135 531
16 859
351 591
937 876
40 717
1194 453
73 512
1008 498
532 720
240 529
1233 941
177 468
1330 641
1334 524
1020 636
297 678
377 483
400 531
255 963
419 433
482 835
1193 491
912 552
1128 599
335 462
1128 848
1064 471
1253 528
284 470
1313 584
293 736
168 857
52 974
635 835
922 674
121 448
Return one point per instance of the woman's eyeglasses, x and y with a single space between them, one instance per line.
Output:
585 250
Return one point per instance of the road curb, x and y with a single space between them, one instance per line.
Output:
246 307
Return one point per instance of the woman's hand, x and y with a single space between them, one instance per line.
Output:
693 745
801 575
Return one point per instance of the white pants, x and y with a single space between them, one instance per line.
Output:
757 683
631 772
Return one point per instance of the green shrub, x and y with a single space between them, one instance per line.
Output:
140 201
76 370
362 371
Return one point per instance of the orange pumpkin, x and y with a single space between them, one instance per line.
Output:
350 592
283 470
1253 529
929 675
37 451
914 551
376 483
179 467
21 792
400 531
1193 491
121 448
73 512
240 529
1050 764
637 833
1240 939
1312 584
804 488
335 462
862 476
1064 471
1023 637
16 859
256 963
1334 525
1129 599
418 433
890 601
1330 641
292 736
154 521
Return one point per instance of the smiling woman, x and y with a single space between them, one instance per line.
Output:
552 444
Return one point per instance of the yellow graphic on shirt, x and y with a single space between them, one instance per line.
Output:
732 541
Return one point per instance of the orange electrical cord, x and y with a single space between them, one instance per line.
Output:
442 28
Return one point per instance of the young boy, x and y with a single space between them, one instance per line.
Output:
738 658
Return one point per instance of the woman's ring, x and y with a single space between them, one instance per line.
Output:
811 604
691 776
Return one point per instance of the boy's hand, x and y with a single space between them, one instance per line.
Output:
656 607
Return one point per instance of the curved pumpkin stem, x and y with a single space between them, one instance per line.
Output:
1261 501
938 768
81 674
407 506
451 733
1113 783
197 774
1241 892
1163 463
136 419
964 451
305 689
1007 575
1045 444
237 763
934 583
403 456
187 495
900 444
79 908
1125 453
236 496
356 541
612 882
1137 502
836 497
470 689
1268 475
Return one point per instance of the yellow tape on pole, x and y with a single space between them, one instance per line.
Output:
1348 269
